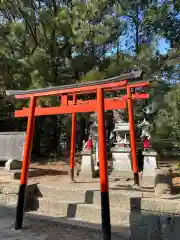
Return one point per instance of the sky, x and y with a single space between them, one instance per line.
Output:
163 46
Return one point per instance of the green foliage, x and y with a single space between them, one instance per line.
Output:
93 75
168 116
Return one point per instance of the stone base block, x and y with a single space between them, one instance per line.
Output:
150 163
121 161
13 164
87 164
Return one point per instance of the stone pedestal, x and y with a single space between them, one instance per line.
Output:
150 163
121 159
87 164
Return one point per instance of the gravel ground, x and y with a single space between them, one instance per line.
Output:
35 229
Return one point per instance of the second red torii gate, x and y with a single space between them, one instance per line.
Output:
99 105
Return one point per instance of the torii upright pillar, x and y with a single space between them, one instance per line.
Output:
25 165
103 164
73 143
132 136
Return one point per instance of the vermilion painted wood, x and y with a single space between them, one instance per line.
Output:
109 105
132 134
73 142
103 167
135 96
64 100
86 90
28 142
81 90
131 85
82 106
102 141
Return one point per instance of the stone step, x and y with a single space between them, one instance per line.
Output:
73 209
9 194
10 200
120 232
166 204
119 199
60 193
123 199
12 188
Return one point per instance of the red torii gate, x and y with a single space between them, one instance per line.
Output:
99 105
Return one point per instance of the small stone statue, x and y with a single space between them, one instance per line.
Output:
111 136
93 118
118 116
84 144
97 157
151 108
145 128
121 129
119 139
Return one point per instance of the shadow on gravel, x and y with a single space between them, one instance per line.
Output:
60 228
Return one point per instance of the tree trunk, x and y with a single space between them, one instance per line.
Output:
55 140
37 137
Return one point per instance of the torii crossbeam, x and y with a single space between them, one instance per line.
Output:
100 104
